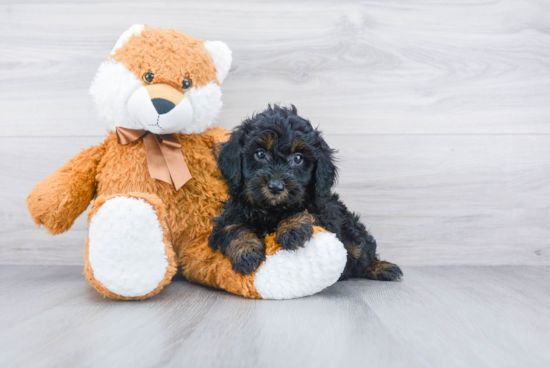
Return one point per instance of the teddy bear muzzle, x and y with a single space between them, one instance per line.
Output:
160 108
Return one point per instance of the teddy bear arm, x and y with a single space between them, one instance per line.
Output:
60 198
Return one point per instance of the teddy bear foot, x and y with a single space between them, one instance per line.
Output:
128 255
302 272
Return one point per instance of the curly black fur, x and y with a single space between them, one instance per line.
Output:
279 171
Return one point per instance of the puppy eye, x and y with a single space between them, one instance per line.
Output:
148 77
186 84
298 159
260 155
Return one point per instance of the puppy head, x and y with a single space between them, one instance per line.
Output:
277 159
162 81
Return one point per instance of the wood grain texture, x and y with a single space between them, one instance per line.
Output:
430 200
435 317
440 110
391 67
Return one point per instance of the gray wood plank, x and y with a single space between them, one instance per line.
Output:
392 67
428 200
288 334
491 206
190 325
434 317
467 316
51 286
480 200
27 161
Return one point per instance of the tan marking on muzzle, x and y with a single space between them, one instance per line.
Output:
161 90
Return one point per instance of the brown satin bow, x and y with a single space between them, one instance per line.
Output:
164 157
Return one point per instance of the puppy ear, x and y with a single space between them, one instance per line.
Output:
230 161
325 170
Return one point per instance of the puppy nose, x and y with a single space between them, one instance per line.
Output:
275 186
162 106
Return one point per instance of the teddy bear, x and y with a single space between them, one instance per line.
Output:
153 184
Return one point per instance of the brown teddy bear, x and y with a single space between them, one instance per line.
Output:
153 182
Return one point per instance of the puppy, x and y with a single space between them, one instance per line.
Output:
279 173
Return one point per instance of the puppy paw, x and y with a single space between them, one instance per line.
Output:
248 262
383 271
294 231
246 254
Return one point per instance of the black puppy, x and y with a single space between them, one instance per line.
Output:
279 172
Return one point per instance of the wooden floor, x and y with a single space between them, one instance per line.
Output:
435 317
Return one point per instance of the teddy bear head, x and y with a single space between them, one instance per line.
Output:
161 81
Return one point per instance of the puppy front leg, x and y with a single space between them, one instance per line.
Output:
241 245
295 230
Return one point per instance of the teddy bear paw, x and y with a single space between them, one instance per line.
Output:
126 250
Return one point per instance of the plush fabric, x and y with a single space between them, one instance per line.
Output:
291 274
222 58
141 230
189 58
129 253
172 57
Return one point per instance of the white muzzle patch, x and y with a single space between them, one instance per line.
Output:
121 100
144 114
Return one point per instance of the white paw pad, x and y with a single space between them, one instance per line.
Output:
126 251
306 271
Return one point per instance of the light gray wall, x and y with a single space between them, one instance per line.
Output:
440 110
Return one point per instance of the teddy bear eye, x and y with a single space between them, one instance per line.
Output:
186 84
148 77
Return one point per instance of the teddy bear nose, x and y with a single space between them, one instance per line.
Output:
275 186
162 106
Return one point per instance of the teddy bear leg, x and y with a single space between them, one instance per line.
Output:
288 274
129 254
285 274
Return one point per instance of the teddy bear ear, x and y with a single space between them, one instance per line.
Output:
133 30
221 54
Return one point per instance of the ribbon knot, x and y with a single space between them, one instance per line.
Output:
164 157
